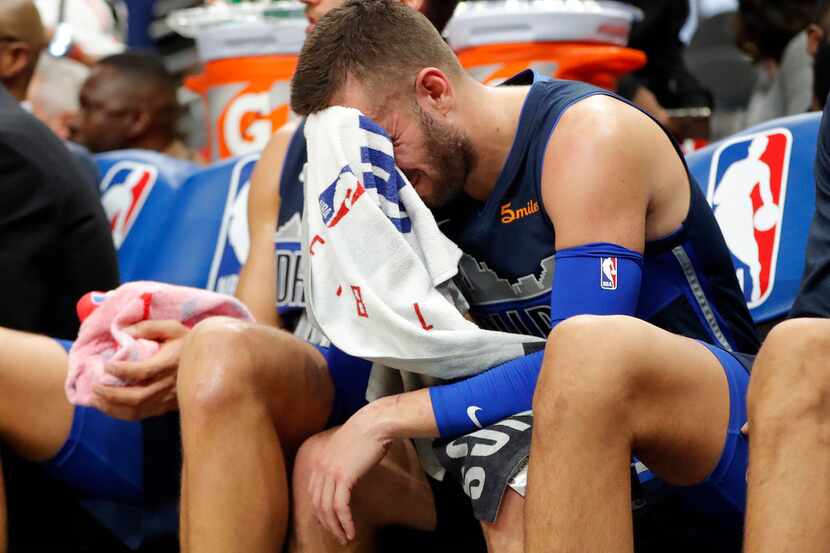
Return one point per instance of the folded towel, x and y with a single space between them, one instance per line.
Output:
377 269
104 317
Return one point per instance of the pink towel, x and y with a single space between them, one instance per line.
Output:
105 316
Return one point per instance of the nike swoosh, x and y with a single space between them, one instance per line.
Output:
471 412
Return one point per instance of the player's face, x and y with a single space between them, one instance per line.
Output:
436 159
435 156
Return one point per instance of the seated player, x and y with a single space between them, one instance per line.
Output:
109 441
786 408
511 163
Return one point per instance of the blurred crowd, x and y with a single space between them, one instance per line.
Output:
774 53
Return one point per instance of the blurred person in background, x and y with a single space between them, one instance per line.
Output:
22 38
55 243
818 46
772 33
57 110
129 101
665 82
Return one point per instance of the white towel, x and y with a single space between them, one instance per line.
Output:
376 262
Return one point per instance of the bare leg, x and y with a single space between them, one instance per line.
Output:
35 416
506 535
789 414
611 386
394 492
248 395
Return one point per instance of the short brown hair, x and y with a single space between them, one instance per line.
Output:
378 42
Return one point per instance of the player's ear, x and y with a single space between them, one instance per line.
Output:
140 123
434 90
414 4
14 59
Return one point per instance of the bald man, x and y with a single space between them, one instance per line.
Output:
22 37
129 102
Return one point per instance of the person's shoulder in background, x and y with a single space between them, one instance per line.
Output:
31 140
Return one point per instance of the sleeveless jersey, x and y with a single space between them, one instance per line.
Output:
688 286
287 243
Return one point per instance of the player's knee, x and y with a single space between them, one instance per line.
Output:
217 369
585 365
790 381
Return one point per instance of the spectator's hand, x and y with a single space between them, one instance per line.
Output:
337 471
152 391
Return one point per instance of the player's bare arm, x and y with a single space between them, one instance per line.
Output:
258 281
623 199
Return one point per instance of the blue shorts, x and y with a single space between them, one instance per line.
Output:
103 457
724 491
350 376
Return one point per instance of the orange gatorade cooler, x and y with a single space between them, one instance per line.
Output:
563 38
249 53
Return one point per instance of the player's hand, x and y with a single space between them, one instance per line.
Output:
353 451
152 389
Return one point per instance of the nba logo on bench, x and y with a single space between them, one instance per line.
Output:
124 189
233 243
608 273
747 188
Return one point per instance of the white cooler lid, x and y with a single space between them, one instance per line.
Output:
478 23
239 30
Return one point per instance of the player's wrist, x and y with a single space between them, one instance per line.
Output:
377 421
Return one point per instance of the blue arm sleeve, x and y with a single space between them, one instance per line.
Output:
486 398
596 279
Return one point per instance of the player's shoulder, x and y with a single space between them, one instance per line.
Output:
268 170
280 141
603 116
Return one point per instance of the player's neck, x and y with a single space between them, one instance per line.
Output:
493 117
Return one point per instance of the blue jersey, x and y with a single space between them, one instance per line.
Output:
288 241
688 286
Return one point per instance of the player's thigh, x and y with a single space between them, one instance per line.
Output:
681 403
666 394
35 416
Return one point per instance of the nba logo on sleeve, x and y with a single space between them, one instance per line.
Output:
608 273
747 188
124 189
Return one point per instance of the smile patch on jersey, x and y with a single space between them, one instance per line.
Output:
508 214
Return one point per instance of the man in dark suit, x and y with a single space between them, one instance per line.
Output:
55 246
55 243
